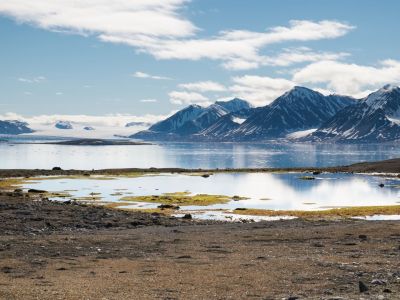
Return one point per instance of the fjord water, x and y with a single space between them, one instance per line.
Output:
191 155
286 191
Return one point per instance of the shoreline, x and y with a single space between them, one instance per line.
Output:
389 167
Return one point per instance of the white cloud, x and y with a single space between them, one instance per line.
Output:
350 79
260 90
117 18
144 75
112 120
287 57
291 56
238 49
186 98
158 27
203 86
59 93
37 79
148 100
105 126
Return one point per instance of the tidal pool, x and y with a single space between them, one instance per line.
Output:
272 191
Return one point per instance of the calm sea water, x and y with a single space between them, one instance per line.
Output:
190 155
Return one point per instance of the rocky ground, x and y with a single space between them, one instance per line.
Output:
52 250
66 251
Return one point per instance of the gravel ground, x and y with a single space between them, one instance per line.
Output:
65 251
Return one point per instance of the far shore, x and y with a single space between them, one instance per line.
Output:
389 167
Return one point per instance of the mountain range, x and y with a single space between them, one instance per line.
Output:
372 119
300 114
14 127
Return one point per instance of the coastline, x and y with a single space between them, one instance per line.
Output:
389 167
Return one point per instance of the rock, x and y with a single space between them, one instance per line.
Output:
35 191
362 237
18 193
387 291
168 206
240 208
378 282
187 217
307 178
316 172
205 175
381 185
293 298
57 169
363 288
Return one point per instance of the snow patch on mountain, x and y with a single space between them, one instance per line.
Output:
301 133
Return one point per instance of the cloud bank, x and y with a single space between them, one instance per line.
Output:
160 28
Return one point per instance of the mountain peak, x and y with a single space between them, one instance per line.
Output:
389 87
234 105
301 91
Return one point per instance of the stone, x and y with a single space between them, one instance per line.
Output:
378 282
35 191
363 288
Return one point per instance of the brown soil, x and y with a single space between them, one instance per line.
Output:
67 251
51 250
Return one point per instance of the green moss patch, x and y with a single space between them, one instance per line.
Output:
346 212
10 184
180 198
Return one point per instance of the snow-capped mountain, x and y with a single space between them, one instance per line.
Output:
297 109
174 122
209 116
14 127
387 99
63 125
133 124
300 114
373 119
190 120
166 129
221 129
234 105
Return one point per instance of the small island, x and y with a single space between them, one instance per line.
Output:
97 142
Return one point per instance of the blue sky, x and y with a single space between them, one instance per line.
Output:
152 57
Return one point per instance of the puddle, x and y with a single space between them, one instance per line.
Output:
284 191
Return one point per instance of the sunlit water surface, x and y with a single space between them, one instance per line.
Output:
264 190
189 155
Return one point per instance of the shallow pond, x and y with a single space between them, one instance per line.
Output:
285 191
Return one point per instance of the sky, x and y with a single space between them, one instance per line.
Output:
148 58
